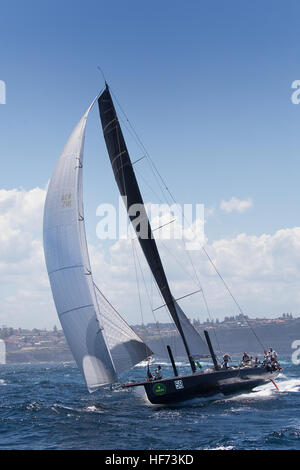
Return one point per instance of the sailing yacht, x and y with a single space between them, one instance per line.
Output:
102 343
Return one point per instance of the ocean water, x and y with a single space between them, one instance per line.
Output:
47 406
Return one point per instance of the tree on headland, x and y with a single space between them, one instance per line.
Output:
6 332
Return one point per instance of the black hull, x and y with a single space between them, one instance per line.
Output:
203 384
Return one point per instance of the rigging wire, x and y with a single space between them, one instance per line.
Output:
205 301
138 141
149 298
152 284
124 183
102 73
137 281
139 293
178 262
234 299
164 185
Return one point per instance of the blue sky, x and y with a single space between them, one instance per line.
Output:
207 85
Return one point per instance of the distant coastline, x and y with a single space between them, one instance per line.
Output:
233 335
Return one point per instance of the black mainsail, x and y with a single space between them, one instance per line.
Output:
129 190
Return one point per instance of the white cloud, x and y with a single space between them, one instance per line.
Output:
262 271
235 204
25 298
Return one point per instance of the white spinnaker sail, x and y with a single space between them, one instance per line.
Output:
69 268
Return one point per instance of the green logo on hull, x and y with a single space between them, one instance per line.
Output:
159 389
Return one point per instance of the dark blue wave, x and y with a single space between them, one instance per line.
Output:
47 406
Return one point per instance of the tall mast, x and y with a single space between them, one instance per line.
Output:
129 189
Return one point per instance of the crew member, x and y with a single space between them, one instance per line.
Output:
226 359
256 362
272 354
158 373
245 359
